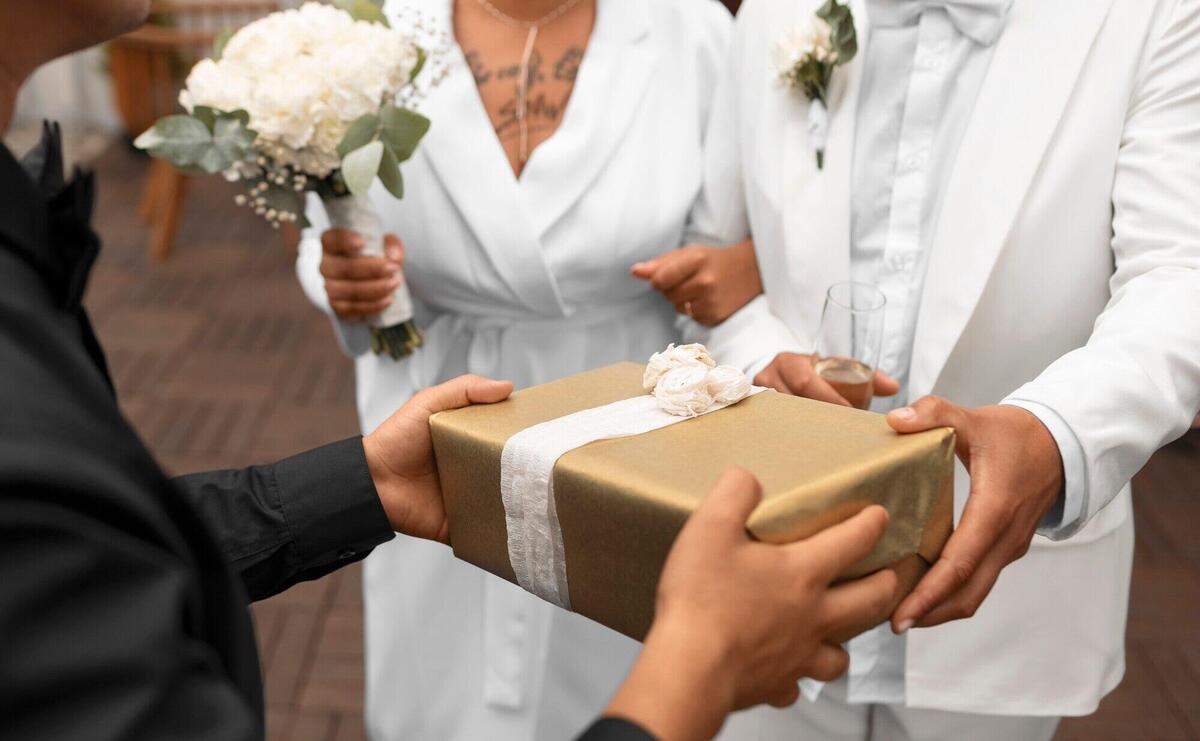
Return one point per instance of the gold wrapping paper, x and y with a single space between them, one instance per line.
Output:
621 502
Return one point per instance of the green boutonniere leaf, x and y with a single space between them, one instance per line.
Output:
842 33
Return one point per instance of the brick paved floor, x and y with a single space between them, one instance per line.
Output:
220 361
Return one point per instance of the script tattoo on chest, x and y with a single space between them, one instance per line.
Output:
549 88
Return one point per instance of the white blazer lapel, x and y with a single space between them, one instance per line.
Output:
816 205
463 150
1024 95
613 79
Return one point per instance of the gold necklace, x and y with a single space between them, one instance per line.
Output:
526 57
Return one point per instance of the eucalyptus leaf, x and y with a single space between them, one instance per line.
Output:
361 132
360 167
402 130
389 174
842 32
370 11
232 142
422 57
206 115
240 115
220 40
181 140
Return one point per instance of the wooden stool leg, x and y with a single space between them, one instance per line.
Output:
167 220
152 190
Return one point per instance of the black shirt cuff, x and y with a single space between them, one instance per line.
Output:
615 729
330 504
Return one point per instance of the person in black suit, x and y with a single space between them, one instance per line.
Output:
123 593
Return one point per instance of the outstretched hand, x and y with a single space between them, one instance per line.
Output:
1016 474
400 455
738 622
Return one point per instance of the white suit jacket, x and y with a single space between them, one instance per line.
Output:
1065 270
526 280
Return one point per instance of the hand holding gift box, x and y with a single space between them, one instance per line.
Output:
576 489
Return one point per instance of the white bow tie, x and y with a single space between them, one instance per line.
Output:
980 20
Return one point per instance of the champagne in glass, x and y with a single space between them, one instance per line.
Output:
850 378
850 339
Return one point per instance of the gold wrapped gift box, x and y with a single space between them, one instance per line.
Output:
621 502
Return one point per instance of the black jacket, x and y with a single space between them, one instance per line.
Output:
123 594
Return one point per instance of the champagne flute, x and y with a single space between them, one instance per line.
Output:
850 340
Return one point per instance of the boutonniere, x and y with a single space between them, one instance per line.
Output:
807 57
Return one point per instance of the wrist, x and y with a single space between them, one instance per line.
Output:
384 479
682 684
1045 451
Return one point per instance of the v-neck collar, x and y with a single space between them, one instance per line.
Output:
509 217
617 24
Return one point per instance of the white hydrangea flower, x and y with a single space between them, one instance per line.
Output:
674 357
304 76
683 391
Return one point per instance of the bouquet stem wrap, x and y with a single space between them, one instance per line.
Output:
393 331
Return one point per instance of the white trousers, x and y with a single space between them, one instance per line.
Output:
831 718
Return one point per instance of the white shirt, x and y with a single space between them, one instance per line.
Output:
920 83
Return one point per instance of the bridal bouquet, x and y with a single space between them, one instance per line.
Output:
317 100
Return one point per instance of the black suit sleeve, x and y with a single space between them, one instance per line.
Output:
294 520
615 729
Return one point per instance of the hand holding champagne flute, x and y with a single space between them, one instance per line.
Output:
850 340
843 367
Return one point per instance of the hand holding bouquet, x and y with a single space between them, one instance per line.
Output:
307 100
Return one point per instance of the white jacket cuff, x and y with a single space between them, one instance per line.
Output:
750 339
1069 513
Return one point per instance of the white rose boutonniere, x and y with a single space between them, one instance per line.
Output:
806 58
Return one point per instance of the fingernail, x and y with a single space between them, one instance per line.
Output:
393 254
905 414
904 626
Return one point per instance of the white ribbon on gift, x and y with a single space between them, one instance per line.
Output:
535 544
